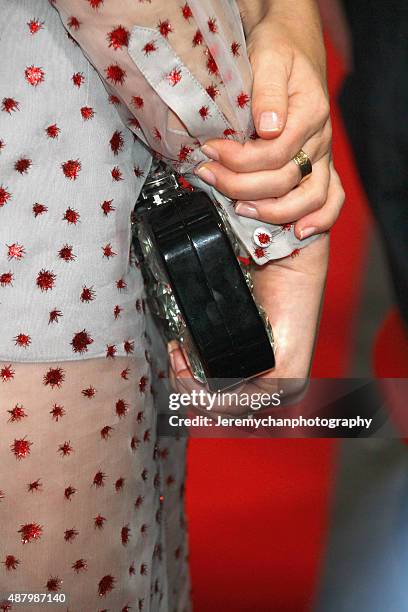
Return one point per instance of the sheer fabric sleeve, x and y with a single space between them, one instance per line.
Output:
180 75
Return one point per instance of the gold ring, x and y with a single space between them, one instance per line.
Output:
304 163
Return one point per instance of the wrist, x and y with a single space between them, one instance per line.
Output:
290 26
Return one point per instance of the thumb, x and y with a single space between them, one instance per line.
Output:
269 93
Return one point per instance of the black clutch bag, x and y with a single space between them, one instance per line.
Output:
197 289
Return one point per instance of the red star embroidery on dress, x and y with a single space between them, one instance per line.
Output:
184 153
121 284
259 252
7 373
106 584
108 252
5 196
88 294
99 479
78 79
116 142
69 492
143 384
95 4
229 132
116 311
22 340
150 47
235 46
34 75
71 168
52 131
124 534
9 105
35 25
81 341
115 74
174 77
80 566
16 414
89 392
143 569
211 63
295 253
197 39
57 412
2 145
137 101
105 432
65 449
30 532
242 100
66 253
286 227
121 408
54 377
71 216
11 562
134 443
74 23
70 534
116 174
111 351
45 280
263 238
6 279
87 113
113 99
118 38
99 521
134 123
212 25
39 209
119 484
34 486
165 28
22 165
140 416
204 112
138 502
15 251
129 346
187 12
146 438
21 448
157 134
125 373
54 315
54 584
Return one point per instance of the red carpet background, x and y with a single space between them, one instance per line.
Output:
258 509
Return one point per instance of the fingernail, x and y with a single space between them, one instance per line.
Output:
246 210
171 359
205 174
307 232
210 152
269 122
179 362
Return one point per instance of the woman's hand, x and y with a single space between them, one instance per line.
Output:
290 291
290 108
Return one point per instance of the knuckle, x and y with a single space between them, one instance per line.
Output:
323 108
318 198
